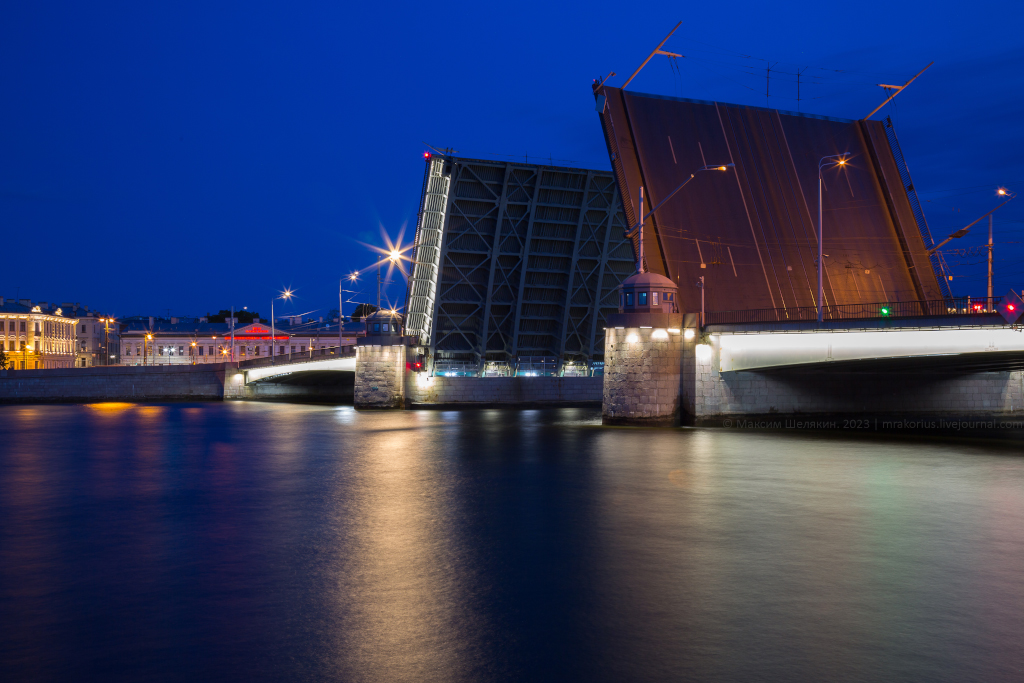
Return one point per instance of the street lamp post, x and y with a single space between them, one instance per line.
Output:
287 295
638 229
353 277
841 161
106 339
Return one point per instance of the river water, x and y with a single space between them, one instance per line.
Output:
255 541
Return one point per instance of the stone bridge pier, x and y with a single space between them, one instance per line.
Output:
667 370
644 349
382 359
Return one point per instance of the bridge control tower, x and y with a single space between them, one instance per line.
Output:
643 352
382 361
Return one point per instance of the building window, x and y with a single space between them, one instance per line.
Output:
385 327
127 350
641 299
83 329
654 298
211 350
181 350
281 351
200 350
302 350
256 351
22 326
293 349
629 298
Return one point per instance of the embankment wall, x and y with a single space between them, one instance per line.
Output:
117 383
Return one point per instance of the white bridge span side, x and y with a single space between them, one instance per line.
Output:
773 349
336 364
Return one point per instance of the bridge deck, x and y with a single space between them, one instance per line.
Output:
335 359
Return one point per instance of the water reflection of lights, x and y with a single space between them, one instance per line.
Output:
110 407
345 414
406 541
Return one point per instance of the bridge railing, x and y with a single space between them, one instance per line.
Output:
964 305
325 353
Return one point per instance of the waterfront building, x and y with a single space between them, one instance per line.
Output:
175 341
36 336
96 337
318 335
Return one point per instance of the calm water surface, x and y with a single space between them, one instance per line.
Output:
248 541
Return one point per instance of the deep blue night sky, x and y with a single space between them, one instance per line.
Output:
190 156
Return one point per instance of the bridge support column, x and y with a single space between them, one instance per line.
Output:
380 376
234 381
382 362
643 353
642 371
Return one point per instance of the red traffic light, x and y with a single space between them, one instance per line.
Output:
1011 307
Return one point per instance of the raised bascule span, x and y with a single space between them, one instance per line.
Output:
515 260
751 232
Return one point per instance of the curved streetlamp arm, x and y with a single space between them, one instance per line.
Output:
632 231
822 164
963 231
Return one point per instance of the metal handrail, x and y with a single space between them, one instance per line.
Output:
964 305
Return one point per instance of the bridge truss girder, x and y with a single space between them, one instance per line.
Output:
529 261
